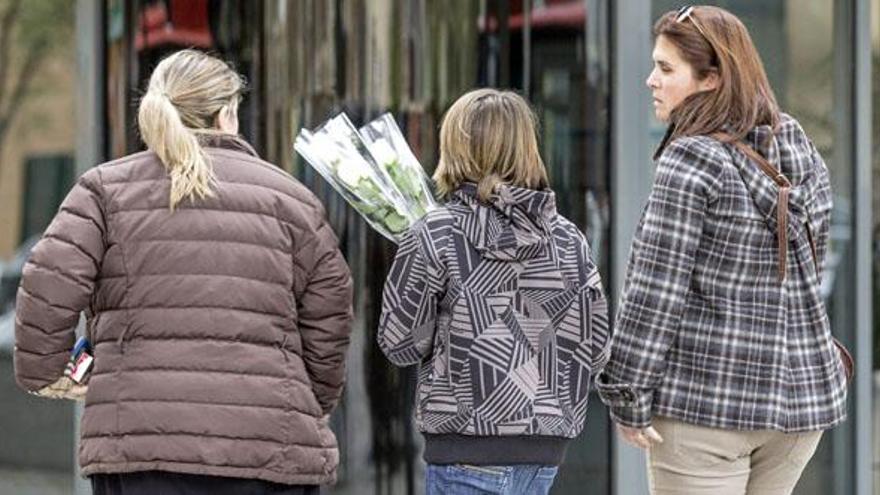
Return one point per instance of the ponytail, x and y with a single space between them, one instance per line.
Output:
186 94
178 148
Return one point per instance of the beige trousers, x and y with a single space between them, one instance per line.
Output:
696 460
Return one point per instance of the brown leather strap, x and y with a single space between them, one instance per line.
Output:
849 364
782 235
781 203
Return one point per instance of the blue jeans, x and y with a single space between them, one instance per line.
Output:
466 479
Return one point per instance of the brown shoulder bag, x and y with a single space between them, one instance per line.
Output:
782 231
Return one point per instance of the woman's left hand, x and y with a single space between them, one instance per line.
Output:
64 388
643 438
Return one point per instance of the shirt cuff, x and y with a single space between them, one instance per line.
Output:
627 405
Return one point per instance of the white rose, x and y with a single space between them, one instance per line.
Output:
350 173
382 151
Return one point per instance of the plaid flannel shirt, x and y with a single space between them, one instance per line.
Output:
705 331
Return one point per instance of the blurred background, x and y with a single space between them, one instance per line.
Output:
71 72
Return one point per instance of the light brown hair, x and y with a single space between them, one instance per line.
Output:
186 93
711 39
488 137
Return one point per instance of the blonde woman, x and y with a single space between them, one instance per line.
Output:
218 304
722 364
495 297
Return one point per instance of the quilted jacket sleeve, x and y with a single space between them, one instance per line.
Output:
57 284
409 300
324 309
659 273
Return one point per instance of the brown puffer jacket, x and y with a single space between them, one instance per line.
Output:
219 329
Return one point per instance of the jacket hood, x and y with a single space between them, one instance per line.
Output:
513 225
790 151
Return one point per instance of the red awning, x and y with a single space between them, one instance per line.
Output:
185 25
569 15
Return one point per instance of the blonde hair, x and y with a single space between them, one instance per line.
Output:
488 137
186 93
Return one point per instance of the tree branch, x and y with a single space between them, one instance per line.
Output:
6 23
34 59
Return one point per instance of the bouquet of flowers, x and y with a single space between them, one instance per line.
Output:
374 171
390 149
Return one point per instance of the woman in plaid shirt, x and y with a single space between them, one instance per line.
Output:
723 365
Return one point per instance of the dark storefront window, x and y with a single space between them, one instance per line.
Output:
414 58
47 179
306 61
141 32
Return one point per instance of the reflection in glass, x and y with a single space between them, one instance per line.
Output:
414 58
142 32
875 229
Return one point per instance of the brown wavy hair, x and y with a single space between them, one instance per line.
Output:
712 40
488 137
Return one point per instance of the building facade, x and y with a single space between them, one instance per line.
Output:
582 64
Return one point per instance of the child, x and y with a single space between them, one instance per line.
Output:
496 298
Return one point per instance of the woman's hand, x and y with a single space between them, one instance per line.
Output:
643 438
64 388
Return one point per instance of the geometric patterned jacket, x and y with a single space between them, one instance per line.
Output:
709 331
502 307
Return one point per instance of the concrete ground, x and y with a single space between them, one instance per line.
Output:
17 481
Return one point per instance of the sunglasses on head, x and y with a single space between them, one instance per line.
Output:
684 13
687 13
